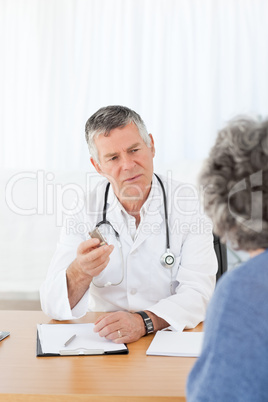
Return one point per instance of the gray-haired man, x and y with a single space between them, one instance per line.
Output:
143 282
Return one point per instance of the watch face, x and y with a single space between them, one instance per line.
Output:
149 326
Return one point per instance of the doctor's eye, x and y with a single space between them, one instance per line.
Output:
113 158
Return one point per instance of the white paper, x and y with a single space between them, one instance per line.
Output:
53 337
166 343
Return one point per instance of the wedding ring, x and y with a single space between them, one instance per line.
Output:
119 334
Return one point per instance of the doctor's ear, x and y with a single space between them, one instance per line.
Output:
96 165
152 144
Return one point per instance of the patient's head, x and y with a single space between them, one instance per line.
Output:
235 184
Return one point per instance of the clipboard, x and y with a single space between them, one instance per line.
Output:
51 340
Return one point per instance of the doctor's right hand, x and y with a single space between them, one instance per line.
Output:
91 260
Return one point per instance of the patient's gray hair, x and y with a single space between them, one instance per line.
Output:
108 118
235 184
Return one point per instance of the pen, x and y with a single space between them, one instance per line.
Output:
3 334
70 340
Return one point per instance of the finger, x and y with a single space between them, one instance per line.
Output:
105 321
113 317
93 266
101 317
86 245
95 271
104 251
116 335
98 255
122 339
111 331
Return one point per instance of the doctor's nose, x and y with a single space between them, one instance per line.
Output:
127 163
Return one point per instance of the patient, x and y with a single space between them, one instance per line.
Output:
233 365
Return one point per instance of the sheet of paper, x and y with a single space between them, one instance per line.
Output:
166 343
53 337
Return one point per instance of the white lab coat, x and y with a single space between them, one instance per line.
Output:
179 295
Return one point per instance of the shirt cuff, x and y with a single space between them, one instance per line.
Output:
173 324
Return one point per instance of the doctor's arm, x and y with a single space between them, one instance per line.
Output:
63 294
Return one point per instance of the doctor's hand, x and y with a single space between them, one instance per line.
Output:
120 327
91 260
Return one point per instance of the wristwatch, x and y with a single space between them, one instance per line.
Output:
149 326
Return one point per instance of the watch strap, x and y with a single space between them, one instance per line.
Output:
149 326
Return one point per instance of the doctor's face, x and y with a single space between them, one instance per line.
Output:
126 161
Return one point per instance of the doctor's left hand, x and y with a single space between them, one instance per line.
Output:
120 327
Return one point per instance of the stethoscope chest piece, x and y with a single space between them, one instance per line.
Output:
168 259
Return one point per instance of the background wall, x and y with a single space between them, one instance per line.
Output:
187 66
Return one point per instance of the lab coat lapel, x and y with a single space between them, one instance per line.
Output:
151 222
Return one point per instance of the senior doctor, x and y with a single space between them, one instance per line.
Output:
159 266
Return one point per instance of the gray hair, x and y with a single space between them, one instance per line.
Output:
235 184
108 118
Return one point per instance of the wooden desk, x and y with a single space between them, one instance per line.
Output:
113 378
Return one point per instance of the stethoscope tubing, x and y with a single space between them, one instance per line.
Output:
167 259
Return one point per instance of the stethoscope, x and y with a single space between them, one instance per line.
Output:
167 259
